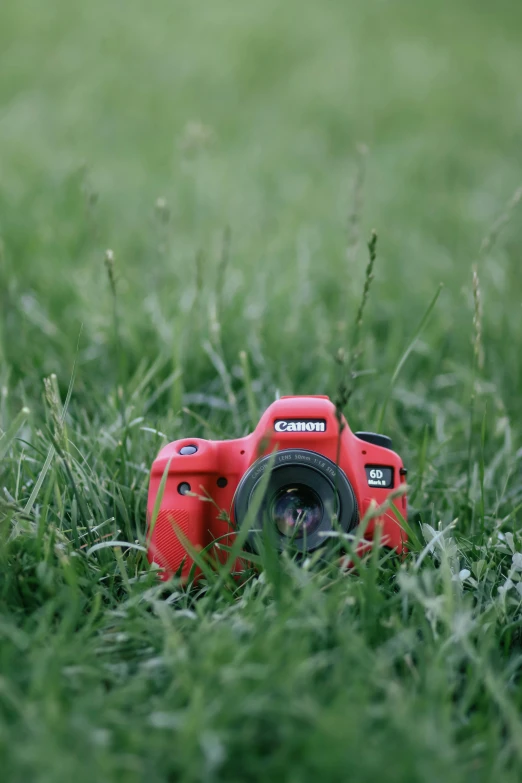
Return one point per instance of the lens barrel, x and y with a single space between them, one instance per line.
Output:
304 491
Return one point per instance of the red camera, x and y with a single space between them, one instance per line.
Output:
320 480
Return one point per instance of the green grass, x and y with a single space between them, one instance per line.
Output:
215 148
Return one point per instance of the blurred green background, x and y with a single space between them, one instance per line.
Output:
235 157
249 116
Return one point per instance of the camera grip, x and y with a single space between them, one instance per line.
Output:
179 522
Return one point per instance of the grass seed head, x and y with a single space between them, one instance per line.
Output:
348 364
109 265
52 397
478 347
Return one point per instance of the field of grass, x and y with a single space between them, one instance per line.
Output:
234 158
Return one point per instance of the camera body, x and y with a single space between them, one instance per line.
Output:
319 479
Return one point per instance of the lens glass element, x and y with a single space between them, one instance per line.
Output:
296 510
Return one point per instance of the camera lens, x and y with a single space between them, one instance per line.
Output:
296 510
303 499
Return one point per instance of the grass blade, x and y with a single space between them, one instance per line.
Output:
400 364
157 502
47 464
9 435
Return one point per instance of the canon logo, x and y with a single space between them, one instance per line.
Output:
300 425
